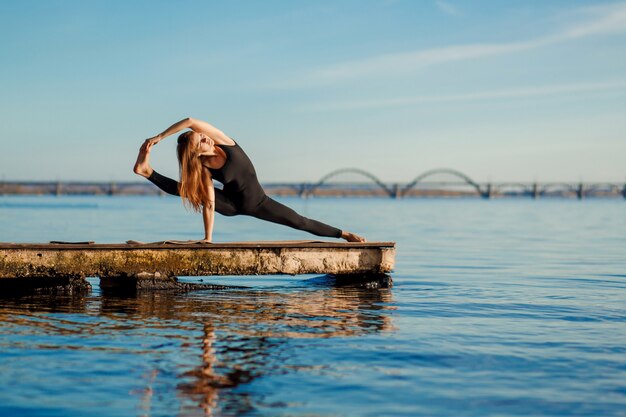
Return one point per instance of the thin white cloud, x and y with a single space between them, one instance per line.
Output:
410 61
605 19
513 93
447 8
600 20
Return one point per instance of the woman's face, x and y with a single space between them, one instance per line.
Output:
203 144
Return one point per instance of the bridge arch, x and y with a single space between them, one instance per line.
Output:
452 172
358 171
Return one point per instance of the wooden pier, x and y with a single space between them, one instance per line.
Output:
156 265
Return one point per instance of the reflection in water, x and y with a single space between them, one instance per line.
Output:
206 382
146 394
245 333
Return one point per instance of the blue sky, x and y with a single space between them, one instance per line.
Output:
500 90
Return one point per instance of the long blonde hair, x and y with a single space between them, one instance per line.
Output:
194 183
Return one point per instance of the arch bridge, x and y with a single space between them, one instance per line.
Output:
465 180
376 187
484 190
391 192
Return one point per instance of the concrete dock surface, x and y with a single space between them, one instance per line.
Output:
157 264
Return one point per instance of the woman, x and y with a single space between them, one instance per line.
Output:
204 153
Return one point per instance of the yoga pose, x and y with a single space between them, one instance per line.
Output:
204 153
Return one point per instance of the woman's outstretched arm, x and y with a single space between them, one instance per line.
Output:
175 128
197 126
211 131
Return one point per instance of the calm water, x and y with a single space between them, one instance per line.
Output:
508 307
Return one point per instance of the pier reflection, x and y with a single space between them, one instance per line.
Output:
246 333
238 335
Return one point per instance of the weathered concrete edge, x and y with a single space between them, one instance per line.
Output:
18 263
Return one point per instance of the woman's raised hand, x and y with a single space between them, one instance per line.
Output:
153 140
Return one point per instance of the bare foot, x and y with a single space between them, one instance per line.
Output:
142 166
351 237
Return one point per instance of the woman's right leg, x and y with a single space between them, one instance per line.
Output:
223 204
166 184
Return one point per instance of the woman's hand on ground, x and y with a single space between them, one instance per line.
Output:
352 237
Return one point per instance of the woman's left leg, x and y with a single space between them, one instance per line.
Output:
272 211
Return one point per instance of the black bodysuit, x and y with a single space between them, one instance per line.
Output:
242 194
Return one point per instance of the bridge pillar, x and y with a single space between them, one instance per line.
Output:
57 188
301 190
394 191
487 194
624 191
580 191
112 189
535 191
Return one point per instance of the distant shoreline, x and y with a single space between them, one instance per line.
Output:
424 190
